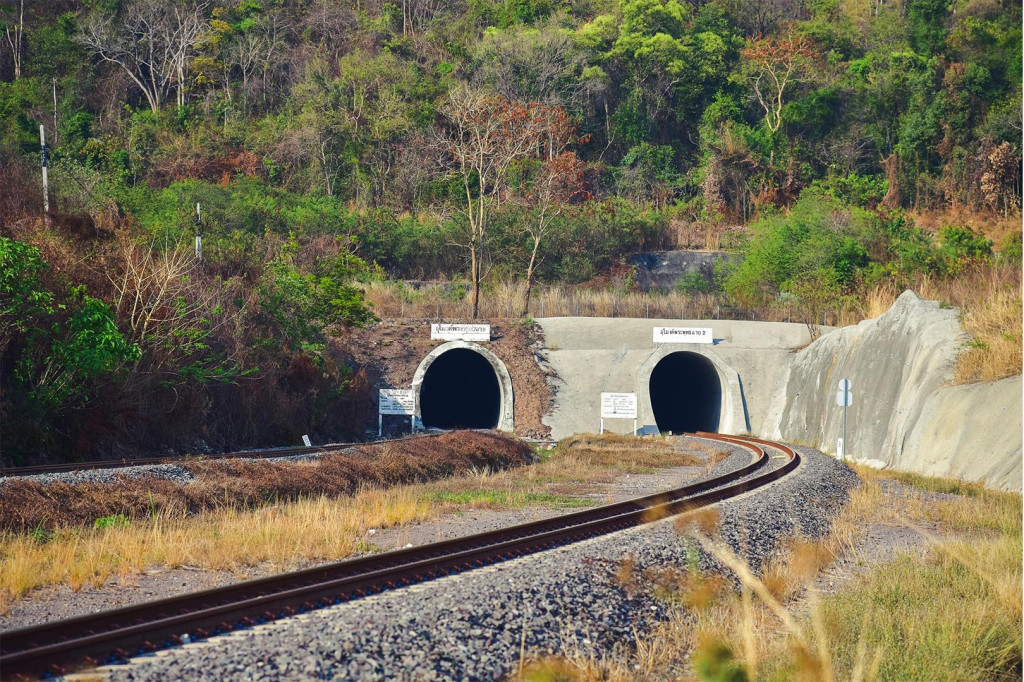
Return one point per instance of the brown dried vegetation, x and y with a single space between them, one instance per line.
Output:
233 484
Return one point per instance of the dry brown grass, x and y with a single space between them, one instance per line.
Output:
505 300
284 536
989 299
628 451
991 315
240 484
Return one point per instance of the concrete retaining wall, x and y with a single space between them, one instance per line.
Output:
904 412
663 269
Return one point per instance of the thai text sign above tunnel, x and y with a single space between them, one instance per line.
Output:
397 401
618 406
460 332
683 335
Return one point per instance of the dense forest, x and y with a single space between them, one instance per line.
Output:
842 147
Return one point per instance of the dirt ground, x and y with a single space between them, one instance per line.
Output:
392 351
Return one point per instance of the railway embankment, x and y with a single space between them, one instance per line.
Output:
906 414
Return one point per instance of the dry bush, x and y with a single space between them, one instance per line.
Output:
990 305
28 505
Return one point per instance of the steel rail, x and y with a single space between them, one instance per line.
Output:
112 636
179 459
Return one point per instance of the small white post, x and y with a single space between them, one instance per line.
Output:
634 426
199 232
46 164
380 425
412 423
602 426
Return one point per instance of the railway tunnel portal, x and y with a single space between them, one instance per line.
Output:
686 393
463 385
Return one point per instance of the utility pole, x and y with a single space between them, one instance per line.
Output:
199 232
46 176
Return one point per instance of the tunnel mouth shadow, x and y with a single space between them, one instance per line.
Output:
460 390
686 393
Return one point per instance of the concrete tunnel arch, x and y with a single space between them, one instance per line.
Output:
463 385
689 389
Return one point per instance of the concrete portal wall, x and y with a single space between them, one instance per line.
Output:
590 355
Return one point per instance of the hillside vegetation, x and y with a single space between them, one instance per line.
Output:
847 149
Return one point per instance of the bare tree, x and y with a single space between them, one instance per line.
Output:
482 135
16 37
772 65
255 51
557 183
153 43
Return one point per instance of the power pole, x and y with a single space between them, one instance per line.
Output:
46 176
199 233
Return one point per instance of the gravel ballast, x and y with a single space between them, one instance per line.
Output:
172 472
471 625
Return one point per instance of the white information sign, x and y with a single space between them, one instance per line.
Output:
463 332
397 401
618 406
844 396
683 335
305 441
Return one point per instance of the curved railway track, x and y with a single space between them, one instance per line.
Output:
113 636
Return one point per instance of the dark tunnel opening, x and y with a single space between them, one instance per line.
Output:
460 391
686 393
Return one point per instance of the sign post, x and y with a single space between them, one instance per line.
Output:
618 406
844 398
399 401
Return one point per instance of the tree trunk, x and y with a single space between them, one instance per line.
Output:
475 273
891 166
529 277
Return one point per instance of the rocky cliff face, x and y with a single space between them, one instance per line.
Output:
904 413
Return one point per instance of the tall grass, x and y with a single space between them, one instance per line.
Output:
233 539
448 301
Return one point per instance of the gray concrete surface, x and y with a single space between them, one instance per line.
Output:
904 413
664 269
971 432
590 355
777 384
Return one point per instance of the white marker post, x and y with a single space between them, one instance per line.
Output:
199 232
618 406
46 171
844 398
399 401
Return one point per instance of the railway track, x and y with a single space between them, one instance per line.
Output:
178 459
113 636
